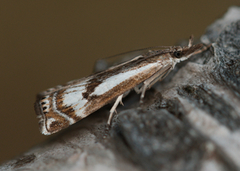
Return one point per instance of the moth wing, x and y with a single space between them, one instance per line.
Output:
105 63
60 107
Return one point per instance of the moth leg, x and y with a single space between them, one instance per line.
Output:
113 109
137 90
158 76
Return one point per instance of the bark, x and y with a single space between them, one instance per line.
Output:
189 121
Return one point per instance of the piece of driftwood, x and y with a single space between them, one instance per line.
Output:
189 121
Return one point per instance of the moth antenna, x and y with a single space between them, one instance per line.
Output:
181 49
190 41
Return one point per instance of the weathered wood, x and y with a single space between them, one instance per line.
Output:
189 121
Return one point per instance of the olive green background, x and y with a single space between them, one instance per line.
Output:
47 43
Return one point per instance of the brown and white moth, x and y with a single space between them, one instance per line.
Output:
59 107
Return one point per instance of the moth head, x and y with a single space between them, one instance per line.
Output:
179 53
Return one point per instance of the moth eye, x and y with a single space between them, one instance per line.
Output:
177 54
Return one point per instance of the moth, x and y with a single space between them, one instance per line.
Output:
59 107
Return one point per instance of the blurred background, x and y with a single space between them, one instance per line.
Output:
47 43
